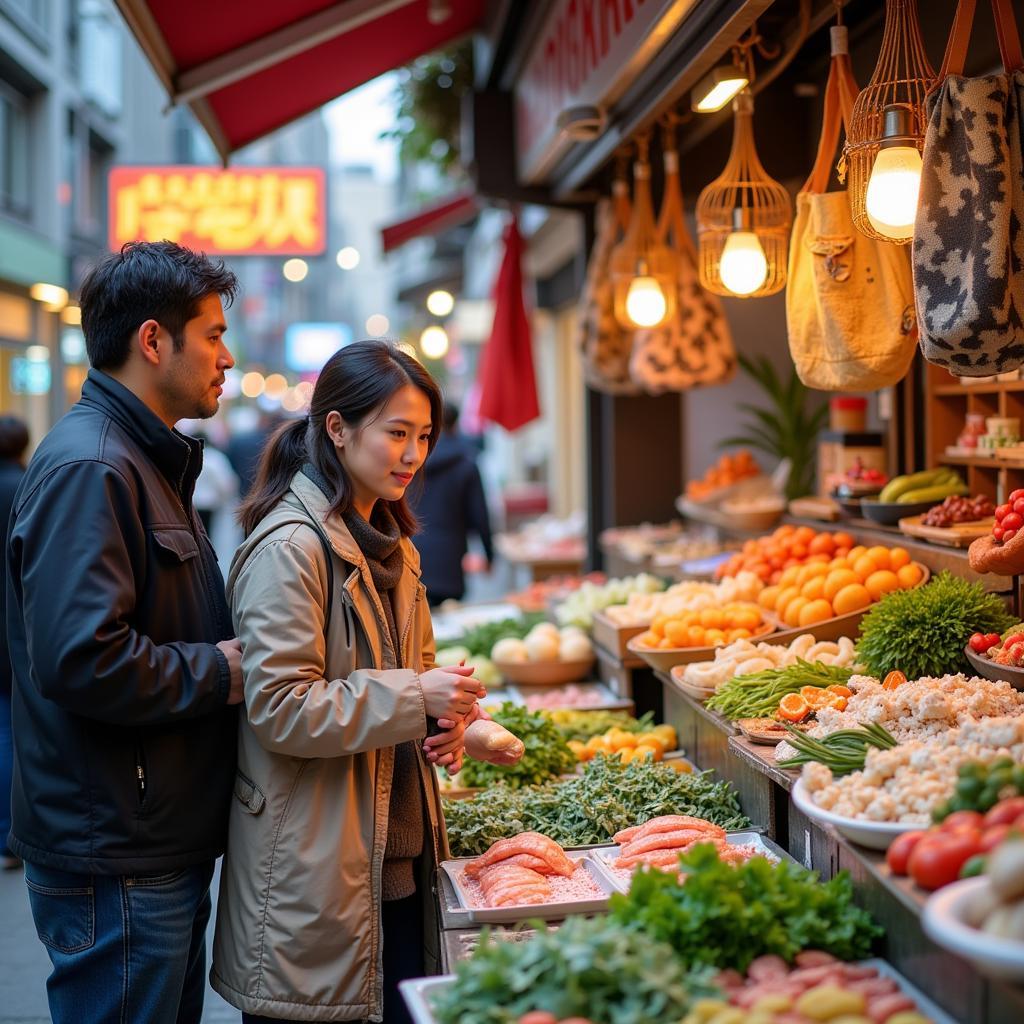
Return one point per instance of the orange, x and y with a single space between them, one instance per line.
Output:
856 552
650 740
793 609
851 599
712 618
785 597
881 582
844 540
788 577
898 557
648 639
909 576
815 696
805 534
598 744
823 544
840 691
837 702
714 637
675 632
817 567
768 597
881 556
793 708
894 679
814 612
841 552
798 550
813 588
658 624
695 636
836 580
732 635
643 752
746 618
665 644
839 563
864 567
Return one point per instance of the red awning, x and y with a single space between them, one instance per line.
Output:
248 68
449 212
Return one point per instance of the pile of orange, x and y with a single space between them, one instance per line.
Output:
822 589
795 707
768 557
729 469
709 627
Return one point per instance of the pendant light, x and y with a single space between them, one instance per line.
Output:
643 270
886 133
743 219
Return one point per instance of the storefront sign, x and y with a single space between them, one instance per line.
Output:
253 211
586 55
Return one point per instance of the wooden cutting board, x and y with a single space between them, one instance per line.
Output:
824 509
959 536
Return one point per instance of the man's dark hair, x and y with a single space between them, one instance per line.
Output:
13 437
451 416
146 281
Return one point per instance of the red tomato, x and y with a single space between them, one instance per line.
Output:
1008 535
1016 638
1011 521
994 639
962 819
1003 510
1006 812
1018 506
937 860
997 532
900 849
977 643
1014 495
992 837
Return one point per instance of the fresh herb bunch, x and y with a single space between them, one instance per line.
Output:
589 808
547 753
588 968
481 639
757 695
727 916
581 725
923 631
843 751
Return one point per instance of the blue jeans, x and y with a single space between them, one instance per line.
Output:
124 949
6 767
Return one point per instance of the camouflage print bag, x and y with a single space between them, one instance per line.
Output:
969 233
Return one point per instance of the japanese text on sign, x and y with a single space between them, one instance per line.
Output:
241 211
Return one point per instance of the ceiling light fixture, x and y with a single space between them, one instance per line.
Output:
717 88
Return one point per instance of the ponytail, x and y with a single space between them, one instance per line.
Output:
283 456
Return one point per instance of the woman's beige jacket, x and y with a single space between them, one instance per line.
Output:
298 924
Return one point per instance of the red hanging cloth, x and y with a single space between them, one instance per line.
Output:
508 388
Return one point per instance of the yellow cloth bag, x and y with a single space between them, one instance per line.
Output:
850 299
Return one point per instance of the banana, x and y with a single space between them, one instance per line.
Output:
934 493
901 484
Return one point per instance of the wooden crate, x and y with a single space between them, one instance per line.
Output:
613 638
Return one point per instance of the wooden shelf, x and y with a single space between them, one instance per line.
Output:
981 461
979 389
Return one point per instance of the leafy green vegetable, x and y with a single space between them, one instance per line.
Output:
923 631
581 725
726 916
480 639
589 967
589 808
757 695
547 754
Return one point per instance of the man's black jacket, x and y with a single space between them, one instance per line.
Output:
124 748
11 473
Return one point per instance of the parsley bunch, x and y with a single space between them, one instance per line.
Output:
726 916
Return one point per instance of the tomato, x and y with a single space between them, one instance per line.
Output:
993 639
993 836
1002 511
1011 521
977 643
997 532
1018 506
1006 812
1014 495
936 861
900 849
1008 535
962 819
1016 638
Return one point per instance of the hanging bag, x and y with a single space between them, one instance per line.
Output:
969 231
850 300
695 347
604 345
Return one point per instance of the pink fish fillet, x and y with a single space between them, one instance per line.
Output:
666 823
681 839
533 843
509 883
665 859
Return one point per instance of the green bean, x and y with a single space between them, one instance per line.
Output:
843 751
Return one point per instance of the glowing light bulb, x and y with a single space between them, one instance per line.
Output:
440 302
744 267
892 191
645 302
434 342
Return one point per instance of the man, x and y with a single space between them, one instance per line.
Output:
445 522
124 673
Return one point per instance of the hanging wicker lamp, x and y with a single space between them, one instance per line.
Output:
889 114
643 271
743 219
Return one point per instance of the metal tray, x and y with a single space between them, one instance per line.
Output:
534 911
604 855
418 992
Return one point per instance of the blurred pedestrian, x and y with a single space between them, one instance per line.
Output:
123 670
216 500
450 505
13 442
327 889
245 448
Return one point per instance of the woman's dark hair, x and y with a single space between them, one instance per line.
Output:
355 381
158 281
13 437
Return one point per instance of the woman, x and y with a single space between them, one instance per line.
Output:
326 896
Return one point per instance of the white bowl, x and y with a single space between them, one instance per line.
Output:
949 923
876 835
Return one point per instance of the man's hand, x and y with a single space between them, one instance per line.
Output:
232 650
444 748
